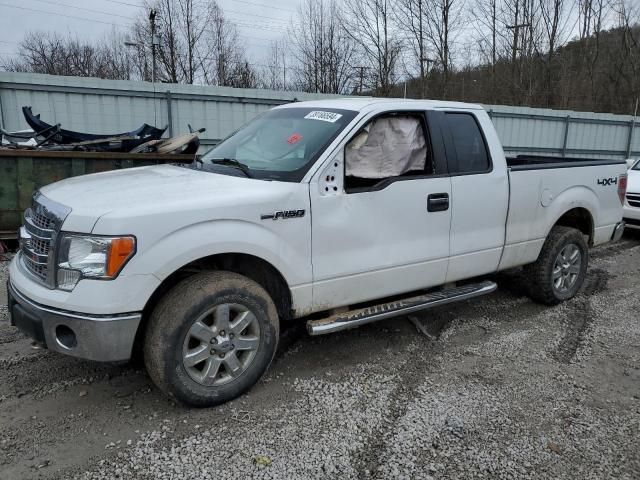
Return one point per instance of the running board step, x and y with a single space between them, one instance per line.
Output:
355 318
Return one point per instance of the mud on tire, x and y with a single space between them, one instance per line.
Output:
173 341
540 274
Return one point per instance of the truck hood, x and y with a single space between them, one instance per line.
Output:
136 192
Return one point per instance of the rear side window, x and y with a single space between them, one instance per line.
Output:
471 150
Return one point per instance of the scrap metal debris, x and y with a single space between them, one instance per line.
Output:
52 137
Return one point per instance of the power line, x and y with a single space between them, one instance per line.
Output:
256 15
266 6
82 8
63 15
125 3
259 26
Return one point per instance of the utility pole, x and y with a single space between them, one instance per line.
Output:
284 71
221 69
516 32
154 43
362 69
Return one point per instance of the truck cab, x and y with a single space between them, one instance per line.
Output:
335 212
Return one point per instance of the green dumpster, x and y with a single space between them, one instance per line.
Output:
24 171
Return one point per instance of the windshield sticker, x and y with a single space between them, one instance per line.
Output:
324 116
295 138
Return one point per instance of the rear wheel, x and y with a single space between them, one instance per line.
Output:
561 268
211 338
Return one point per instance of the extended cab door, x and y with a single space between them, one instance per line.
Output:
480 193
381 213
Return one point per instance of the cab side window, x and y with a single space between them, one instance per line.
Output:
389 146
471 150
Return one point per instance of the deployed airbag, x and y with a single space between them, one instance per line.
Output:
387 147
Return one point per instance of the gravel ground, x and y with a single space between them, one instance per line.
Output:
510 389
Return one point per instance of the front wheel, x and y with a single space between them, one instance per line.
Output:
211 338
561 268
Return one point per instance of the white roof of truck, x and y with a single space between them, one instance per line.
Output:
365 103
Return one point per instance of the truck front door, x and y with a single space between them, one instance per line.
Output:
381 213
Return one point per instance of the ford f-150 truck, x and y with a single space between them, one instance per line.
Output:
337 212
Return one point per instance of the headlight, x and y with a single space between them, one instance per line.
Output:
91 257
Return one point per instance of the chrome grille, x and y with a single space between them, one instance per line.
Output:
40 246
40 220
38 270
633 199
42 223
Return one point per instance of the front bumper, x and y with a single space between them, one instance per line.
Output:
105 338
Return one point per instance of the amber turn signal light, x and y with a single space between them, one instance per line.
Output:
120 250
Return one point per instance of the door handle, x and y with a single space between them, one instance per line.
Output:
438 202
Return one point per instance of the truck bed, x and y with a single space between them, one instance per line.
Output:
536 162
539 195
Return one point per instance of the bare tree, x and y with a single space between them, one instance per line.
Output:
322 50
192 22
180 27
274 72
171 46
591 18
555 17
485 15
410 18
444 19
627 62
50 53
225 63
521 22
197 44
369 24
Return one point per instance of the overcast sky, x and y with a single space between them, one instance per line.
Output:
258 20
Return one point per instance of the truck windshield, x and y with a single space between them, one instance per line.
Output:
281 144
636 166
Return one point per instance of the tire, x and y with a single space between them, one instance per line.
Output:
551 268
191 317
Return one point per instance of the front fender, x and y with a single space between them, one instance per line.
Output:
290 256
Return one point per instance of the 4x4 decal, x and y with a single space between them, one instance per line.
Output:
605 182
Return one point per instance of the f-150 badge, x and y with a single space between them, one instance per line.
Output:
282 214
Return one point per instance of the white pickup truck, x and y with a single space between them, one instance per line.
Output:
338 212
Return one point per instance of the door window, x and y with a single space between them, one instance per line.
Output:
388 147
471 150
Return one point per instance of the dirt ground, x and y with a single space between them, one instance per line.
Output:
506 389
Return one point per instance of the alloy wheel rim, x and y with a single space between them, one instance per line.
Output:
566 268
221 344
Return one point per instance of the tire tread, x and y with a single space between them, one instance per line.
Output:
538 272
172 307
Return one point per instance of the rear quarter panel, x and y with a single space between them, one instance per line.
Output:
539 197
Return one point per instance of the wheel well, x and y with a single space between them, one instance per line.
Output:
255 268
578 218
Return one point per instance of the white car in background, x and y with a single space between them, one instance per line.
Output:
632 200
